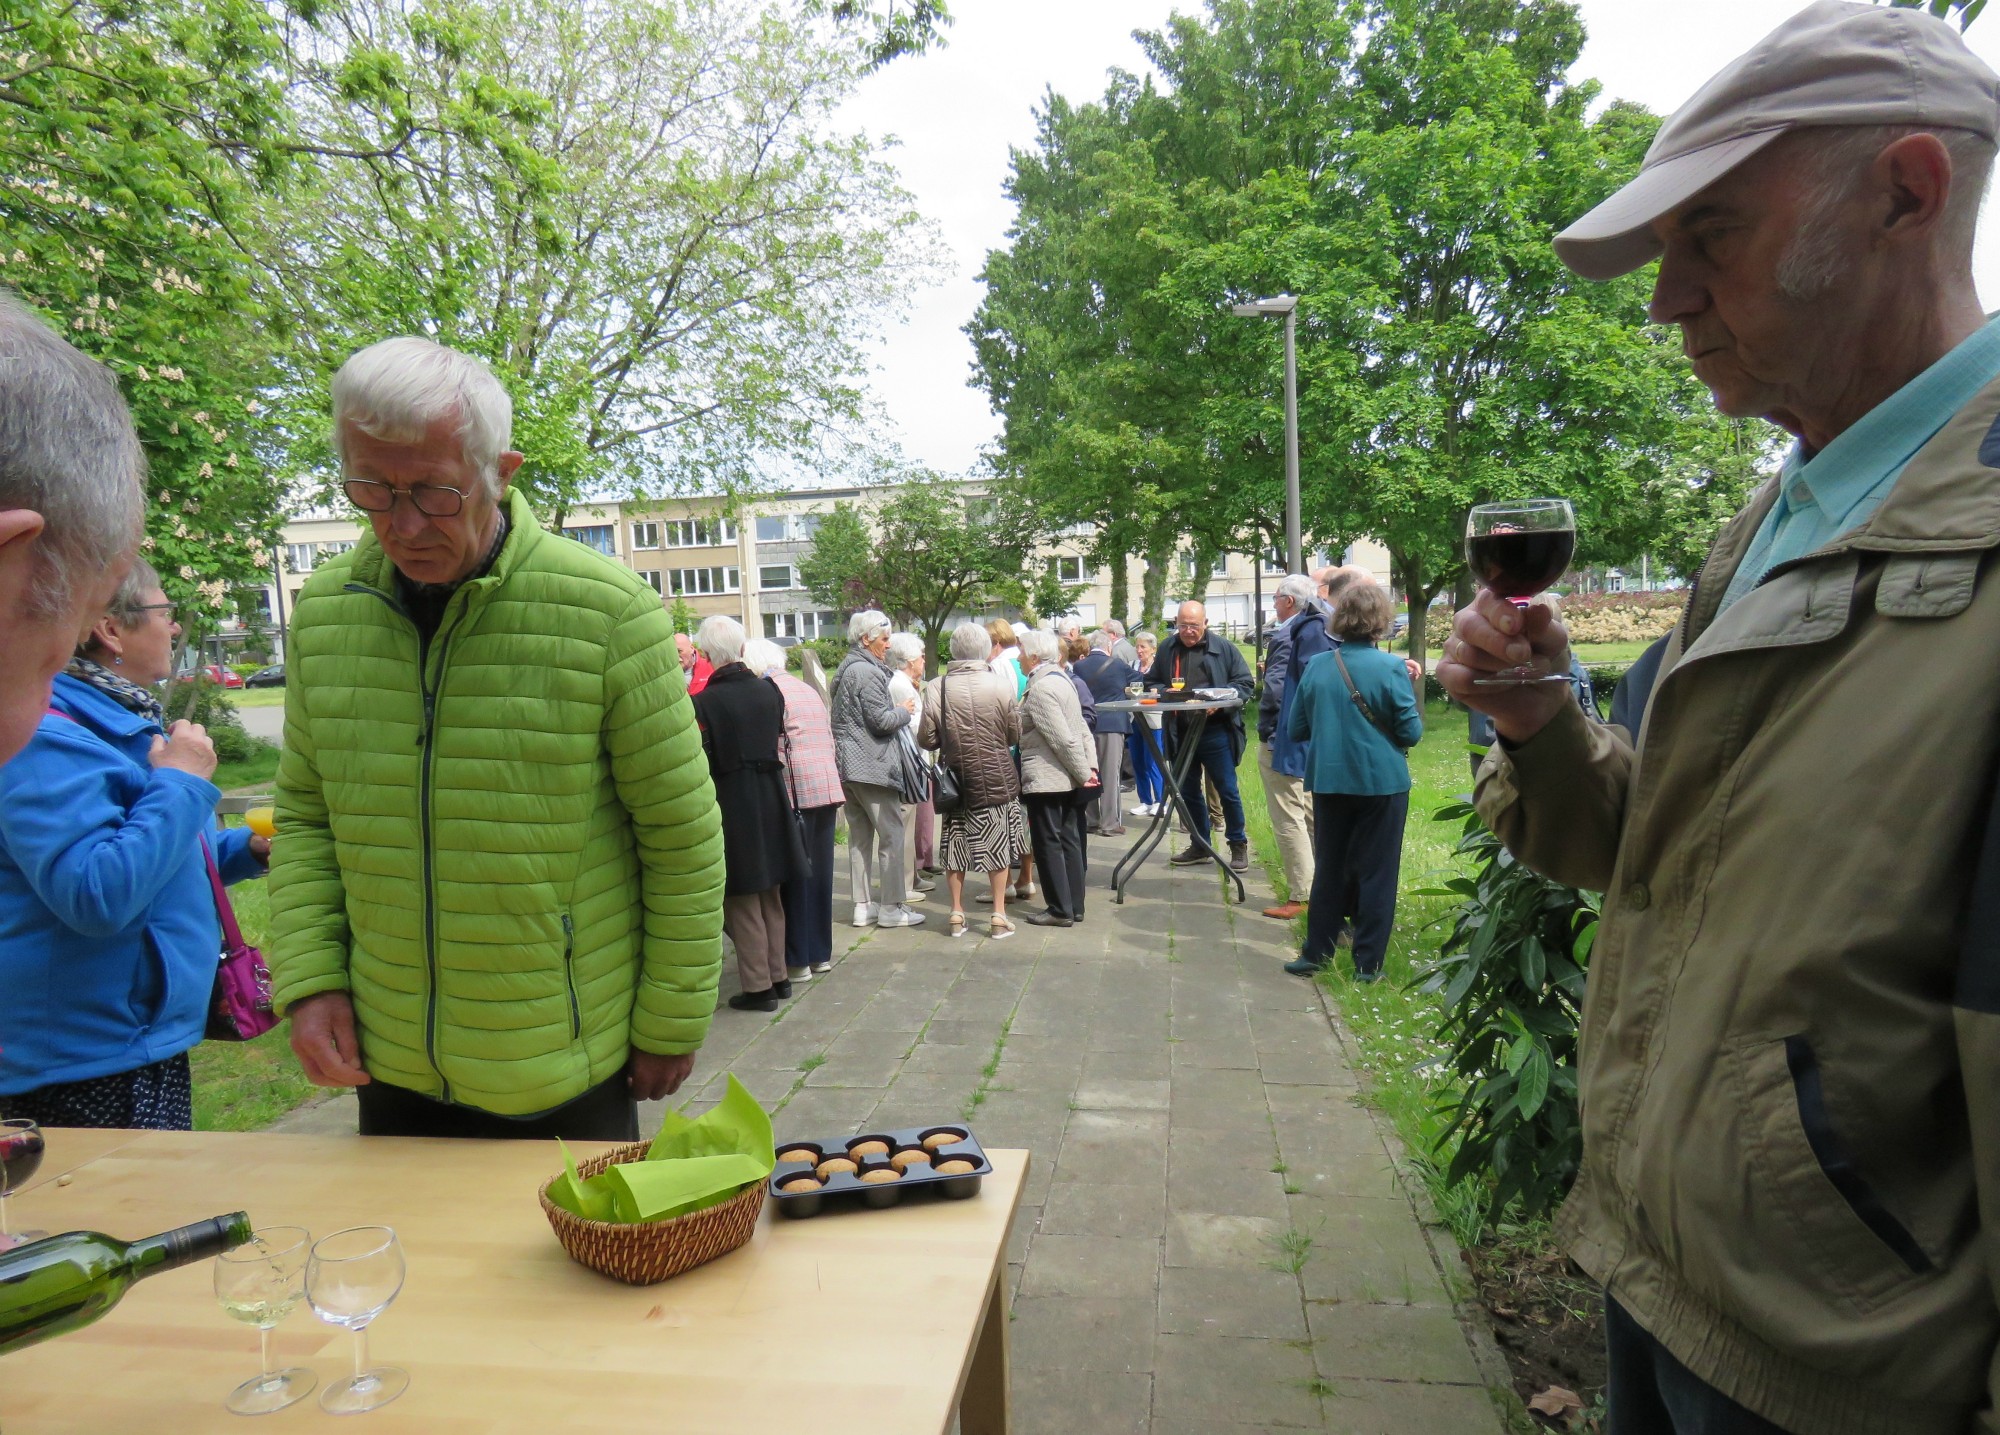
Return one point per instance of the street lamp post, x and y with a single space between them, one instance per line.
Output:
1287 305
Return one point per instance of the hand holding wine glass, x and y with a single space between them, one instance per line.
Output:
1507 656
351 1277
259 1283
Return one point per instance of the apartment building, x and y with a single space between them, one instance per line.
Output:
744 560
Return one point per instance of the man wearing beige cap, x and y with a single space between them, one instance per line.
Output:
1790 1067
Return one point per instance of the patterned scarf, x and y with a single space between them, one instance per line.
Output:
125 694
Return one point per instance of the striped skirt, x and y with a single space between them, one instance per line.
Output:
983 839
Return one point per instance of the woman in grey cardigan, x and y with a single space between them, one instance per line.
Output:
865 723
1058 759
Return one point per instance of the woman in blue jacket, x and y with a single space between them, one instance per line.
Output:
1359 778
109 935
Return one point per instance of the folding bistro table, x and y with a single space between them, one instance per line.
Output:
1197 711
862 1321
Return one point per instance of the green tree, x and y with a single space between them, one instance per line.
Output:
643 214
1966 10
134 142
928 554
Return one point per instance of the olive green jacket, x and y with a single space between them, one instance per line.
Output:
511 858
1790 1071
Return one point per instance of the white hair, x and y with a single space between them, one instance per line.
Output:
1146 636
970 642
1104 640
866 624
1040 645
1833 161
68 451
763 657
1296 586
720 638
1115 628
395 391
904 648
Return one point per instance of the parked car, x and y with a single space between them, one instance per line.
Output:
271 677
214 672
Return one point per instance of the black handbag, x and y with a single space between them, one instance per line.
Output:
947 793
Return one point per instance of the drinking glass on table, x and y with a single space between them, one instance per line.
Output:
1517 550
351 1277
21 1147
259 1284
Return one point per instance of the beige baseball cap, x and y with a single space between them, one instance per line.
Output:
1834 63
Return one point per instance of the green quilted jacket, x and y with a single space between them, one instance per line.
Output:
511 859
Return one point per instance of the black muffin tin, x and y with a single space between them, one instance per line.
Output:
841 1189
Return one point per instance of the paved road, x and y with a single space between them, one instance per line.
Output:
267 723
1214 1235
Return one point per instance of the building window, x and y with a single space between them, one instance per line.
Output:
653 577
804 526
645 535
1274 563
1072 570
803 625
1219 570
773 529
773 577
696 581
596 536
298 557
700 533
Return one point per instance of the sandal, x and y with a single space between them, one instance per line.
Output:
1000 928
957 927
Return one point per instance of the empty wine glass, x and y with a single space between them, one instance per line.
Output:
258 1284
351 1277
21 1146
1516 550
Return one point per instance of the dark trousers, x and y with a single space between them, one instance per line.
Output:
809 895
1055 826
606 1112
1648 1392
1213 759
1357 849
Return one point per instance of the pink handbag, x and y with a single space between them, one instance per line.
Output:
239 1009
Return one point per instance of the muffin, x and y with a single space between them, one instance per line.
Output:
861 1150
957 1166
904 1160
802 1155
881 1175
798 1184
830 1168
940 1139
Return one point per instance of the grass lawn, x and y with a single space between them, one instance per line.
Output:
258 771
1394 1026
1610 652
257 698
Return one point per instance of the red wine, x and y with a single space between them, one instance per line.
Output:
20 1158
1521 563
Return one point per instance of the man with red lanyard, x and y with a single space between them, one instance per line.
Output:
1198 658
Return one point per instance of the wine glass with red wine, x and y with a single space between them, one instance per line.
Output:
21 1146
1517 550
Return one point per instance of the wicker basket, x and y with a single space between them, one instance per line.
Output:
653 1251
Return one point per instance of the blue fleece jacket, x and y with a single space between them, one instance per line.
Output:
1349 754
109 936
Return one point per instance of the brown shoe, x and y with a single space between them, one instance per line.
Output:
1285 911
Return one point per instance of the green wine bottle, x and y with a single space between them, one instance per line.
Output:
53 1286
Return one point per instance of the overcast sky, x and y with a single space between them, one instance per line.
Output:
958 110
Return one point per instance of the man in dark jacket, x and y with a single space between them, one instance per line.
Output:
1300 634
1108 677
1198 658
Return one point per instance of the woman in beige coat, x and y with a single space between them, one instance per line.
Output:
970 719
1058 760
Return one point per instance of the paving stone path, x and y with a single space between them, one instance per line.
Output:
1213 1237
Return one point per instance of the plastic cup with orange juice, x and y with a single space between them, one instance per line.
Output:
262 820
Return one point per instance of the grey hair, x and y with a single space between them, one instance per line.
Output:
1832 162
68 451
1299 588
128 604
1115 628
1040 645
970 642
1103 640
1146 636
720 638
904 648
395 391
867 624
763 657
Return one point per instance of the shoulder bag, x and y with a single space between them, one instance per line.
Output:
799 849
1361 703
947 793
239 1008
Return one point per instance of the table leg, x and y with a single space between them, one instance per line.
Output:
1156 827
1189 746
982 1409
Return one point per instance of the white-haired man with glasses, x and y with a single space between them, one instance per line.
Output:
496 897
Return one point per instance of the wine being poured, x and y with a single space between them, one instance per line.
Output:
1517 550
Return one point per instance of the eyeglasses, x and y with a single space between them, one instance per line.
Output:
166 608
433 500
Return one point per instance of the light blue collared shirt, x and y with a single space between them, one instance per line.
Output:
1839 488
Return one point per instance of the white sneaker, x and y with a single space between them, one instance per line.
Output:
899 917
865 914
820 969
798 974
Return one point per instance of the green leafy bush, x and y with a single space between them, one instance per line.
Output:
830 650
1509 979
205 701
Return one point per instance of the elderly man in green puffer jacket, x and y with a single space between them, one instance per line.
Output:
496 896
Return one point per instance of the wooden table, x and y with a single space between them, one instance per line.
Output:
864 1321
